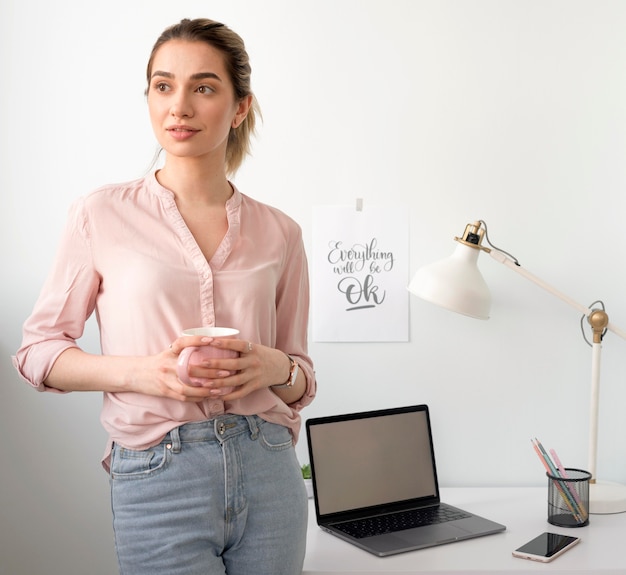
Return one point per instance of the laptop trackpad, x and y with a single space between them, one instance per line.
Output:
433 534
413 539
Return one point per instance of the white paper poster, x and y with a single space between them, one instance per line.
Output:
360 274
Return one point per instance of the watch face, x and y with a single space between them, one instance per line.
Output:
294 374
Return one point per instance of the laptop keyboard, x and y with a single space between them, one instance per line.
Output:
399 521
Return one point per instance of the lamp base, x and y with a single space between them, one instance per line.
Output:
606 497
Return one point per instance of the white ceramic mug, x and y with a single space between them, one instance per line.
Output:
196 355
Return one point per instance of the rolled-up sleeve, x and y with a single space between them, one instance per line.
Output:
66 300
292 314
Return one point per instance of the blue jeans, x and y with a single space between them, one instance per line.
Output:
223 496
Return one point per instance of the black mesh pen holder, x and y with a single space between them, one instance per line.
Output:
568 498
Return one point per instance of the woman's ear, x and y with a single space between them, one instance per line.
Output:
242 111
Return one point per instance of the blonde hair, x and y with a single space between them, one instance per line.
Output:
237 63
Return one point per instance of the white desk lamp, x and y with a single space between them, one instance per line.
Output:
456 284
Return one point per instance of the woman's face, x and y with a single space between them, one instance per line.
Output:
191 100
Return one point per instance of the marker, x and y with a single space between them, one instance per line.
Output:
572 490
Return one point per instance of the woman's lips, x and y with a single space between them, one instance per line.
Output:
181 132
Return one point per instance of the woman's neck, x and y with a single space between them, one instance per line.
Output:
194 182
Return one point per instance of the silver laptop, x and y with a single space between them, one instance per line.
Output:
375 482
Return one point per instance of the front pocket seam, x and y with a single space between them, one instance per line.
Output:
146 473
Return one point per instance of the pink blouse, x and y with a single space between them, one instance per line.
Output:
127 253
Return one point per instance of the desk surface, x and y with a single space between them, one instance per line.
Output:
602 549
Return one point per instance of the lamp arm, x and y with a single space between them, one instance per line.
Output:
599 321
503 259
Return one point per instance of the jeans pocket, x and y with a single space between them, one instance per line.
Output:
275 437
136 464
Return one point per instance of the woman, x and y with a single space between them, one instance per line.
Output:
201 482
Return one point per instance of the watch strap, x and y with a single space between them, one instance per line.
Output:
293 374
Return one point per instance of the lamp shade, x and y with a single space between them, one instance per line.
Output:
455 283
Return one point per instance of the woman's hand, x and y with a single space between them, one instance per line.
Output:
168 384
257 367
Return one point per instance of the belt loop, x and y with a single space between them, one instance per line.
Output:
252 424
175 440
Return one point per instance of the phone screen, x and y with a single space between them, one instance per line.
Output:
547 544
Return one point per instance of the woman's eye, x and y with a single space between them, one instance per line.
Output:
161 87
205 89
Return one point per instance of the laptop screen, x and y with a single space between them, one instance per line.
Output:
369 459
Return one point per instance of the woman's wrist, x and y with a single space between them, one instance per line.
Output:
291 394
292 374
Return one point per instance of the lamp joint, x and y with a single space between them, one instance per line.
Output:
598 320
473 237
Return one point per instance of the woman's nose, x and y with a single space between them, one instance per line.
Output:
181 106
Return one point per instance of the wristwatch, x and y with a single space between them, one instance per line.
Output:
293 374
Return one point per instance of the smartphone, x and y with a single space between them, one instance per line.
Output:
546 547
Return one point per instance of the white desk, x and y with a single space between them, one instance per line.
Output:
602 549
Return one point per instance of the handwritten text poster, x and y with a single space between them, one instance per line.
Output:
360 274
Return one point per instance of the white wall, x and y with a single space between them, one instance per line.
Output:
509 111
